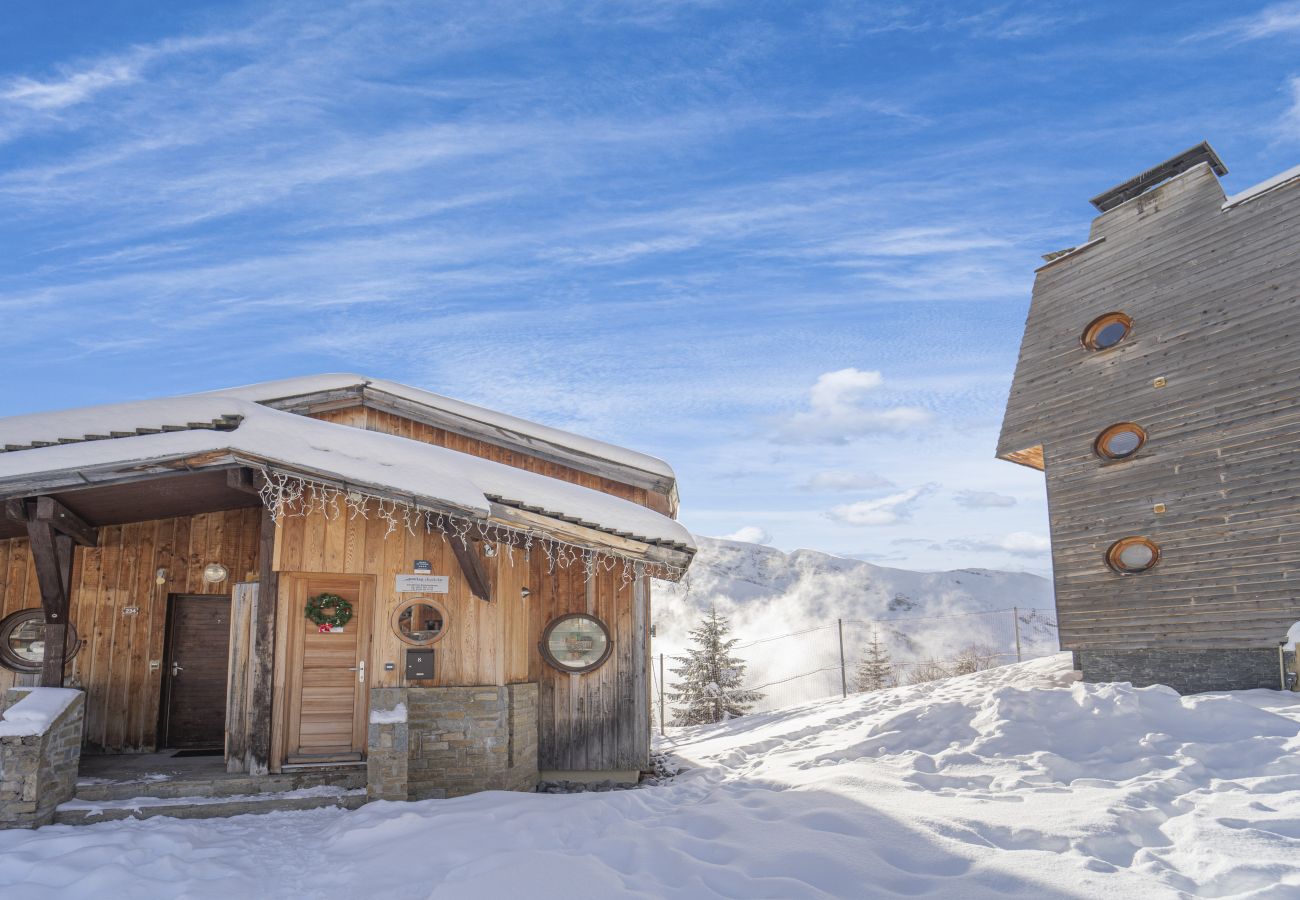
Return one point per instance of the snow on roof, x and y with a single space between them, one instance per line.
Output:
1263 187
269 391
361 458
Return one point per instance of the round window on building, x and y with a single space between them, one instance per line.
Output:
22 641
421 621
1120 441
1106 331
1131 555
576 643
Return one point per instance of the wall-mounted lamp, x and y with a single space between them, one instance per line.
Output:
525 593
214 573
160 577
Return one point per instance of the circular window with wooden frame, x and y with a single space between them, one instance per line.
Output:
420 621
576 643
1120 441
1131 555
1105 332
22 641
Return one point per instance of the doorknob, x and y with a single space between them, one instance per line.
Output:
360 669
177 668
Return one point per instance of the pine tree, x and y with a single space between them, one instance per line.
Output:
875 671
710 679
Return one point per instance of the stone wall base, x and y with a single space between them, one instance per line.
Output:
39 771
432 743
1186 671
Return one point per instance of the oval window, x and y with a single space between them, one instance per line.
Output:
576 643
421 621
1120 441
1106 331
22 641
1130 555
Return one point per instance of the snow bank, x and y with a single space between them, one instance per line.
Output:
1016 782
393 716
36 712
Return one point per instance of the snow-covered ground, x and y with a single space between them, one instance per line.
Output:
1012 782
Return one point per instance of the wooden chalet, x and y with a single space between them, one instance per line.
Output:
1157 389
163 556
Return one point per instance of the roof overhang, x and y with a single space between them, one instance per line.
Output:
1030 456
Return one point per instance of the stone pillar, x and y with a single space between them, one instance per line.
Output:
432 743
38 766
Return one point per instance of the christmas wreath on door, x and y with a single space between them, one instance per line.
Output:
329 612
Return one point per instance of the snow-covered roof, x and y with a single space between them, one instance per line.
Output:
1263 187
155 431
490 420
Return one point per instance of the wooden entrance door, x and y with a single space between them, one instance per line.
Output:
195 663
327 690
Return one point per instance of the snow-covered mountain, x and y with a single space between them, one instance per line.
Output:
919 615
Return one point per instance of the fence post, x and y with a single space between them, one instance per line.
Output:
661 694
844 677
1015 617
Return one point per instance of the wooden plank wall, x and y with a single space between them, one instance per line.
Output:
113 666
375 420
1214 296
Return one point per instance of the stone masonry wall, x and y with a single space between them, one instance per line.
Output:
432 743
39 771
1186 671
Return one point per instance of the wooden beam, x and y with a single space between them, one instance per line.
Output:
65 521
15 510
258 739
52 558
471 563
242 479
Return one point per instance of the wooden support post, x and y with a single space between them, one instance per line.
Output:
258 739
661 694
1015 618
844 674
471 564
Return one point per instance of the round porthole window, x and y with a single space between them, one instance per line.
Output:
1106 331
22 641
420 622
576 643
1120 441
1131 555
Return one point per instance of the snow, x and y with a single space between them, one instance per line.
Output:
268 391
36 712
1263 187
393 716
140 803
1016 782
369 459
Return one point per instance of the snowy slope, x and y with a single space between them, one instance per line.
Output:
1011 783
766 593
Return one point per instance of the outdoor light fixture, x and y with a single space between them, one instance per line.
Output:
160 577
214 573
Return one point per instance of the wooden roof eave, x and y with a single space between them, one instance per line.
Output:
1031 457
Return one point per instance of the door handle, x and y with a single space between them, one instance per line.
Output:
360 669
177 668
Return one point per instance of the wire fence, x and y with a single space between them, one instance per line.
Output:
835 659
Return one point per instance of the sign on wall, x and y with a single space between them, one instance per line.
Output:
422 567
422 584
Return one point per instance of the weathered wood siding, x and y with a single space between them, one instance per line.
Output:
1214 296
388 423
122 694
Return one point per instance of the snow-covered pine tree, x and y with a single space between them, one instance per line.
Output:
709 679
875 671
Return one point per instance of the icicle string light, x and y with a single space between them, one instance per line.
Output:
287 496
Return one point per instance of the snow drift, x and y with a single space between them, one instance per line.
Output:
1013 782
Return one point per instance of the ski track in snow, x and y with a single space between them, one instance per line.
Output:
1012 782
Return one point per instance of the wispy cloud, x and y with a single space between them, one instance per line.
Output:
838 411
889 510
1289 126
1018 543
983 499
750 534
841 482
67 90
1282 19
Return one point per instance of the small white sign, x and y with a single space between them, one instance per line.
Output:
130 610
422 584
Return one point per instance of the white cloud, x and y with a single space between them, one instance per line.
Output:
1290 124
882 511
750 534
983 499
836 411
1272 21
1017 543
56 94
837 481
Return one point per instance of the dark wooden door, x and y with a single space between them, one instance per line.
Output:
195 672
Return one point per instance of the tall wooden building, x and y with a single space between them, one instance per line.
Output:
336 570
1158 388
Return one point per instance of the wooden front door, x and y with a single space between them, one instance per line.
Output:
195 664
327 690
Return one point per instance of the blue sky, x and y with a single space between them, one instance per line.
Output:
787 247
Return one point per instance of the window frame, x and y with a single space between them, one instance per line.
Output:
1089 336
15 663
396 617
1099 444
1116 549
544 645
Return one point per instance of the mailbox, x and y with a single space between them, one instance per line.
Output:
419 664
